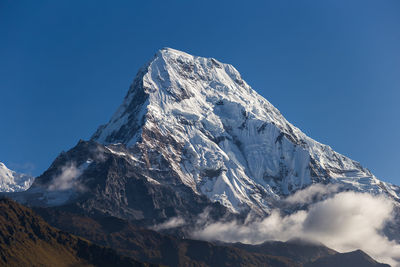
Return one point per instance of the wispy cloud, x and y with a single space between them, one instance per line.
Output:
169 224
313 193
67 179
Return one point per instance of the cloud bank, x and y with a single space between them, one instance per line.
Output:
345 222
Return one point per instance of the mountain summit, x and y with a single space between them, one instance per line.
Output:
192 136
196 119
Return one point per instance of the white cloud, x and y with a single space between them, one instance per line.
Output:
67 179
315 192
171 223
346 221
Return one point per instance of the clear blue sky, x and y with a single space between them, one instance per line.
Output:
331 67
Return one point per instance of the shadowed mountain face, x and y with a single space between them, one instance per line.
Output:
95 179
27 240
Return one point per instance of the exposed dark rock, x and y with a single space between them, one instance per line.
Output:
211 173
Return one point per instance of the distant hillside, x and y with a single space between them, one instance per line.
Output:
350 259
150 246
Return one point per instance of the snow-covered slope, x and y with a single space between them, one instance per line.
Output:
198 118
11 181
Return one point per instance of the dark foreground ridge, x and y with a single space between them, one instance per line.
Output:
27 240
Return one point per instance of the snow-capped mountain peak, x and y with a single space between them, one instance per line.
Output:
198 120
11 181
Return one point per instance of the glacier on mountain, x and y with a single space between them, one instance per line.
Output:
199 118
